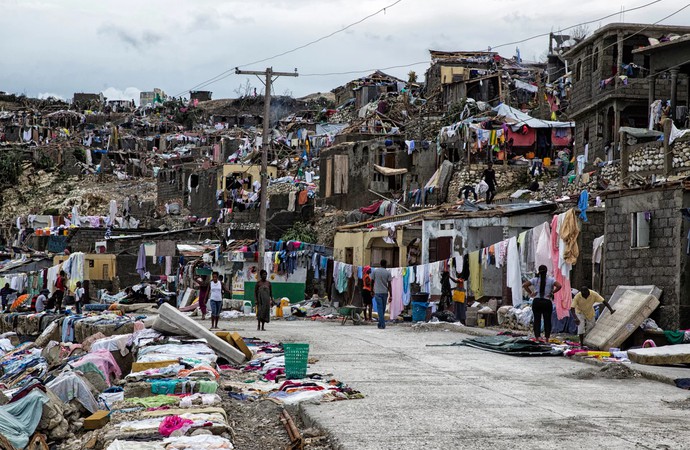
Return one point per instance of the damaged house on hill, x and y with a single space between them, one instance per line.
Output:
613 86
366 89
356 174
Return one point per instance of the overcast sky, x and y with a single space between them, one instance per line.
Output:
120 47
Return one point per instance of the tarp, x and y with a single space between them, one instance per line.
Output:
388 171
517 118
18 420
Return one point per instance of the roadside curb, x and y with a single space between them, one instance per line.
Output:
311 422
644 373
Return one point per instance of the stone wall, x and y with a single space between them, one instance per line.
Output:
507 177
660 263
649 157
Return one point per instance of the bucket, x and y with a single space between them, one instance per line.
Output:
481 323
547 162
296 359
419 311
287 311
247 309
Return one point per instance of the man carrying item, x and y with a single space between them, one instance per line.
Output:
583 307
381 278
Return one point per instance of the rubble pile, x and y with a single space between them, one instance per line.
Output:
328 219
651 157
507 179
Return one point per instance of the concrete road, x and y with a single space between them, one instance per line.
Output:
420 397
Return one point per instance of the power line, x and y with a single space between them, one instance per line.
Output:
574 26
363 71
229 72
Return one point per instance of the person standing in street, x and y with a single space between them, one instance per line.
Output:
489 177
367 296
202 282
381 278
216 289
263 298
542 307
583 307
459 300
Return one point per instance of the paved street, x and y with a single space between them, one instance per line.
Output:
457 397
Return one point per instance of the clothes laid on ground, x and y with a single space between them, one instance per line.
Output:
69 386
18 420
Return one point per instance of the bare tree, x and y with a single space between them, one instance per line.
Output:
244 90
579 33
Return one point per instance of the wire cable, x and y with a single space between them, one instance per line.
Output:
231 71
574 26
363 71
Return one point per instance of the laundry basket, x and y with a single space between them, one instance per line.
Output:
296 357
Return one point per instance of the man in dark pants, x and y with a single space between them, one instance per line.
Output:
381 278
489 177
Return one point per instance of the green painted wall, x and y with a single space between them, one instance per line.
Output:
293 291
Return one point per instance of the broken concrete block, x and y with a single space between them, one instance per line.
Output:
97 420
173 317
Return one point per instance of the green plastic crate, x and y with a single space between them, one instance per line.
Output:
296 358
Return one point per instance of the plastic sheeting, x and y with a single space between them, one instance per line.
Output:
19 420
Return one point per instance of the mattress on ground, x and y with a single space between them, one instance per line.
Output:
620 290
632 308
668 354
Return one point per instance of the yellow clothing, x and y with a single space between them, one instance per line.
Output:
476 282
585 306
568 232
459 296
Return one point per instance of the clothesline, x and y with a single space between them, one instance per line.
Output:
553 245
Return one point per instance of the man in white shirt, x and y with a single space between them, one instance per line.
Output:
79 297
41 301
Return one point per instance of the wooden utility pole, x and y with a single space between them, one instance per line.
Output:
263 198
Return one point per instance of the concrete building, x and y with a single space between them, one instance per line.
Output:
367 243
366 89
610 85
456 76
646 244
249 173
350 171
202 96
151 97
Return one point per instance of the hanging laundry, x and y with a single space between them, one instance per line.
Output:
513 273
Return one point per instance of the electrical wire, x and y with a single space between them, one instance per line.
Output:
364 70
231 71
578 25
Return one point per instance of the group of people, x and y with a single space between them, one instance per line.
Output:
211 292
542 288
376 287
44 301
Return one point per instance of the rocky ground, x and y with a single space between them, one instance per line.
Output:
42 192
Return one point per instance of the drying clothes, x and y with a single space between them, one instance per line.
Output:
104 360
583 204
172 423
291 201
476 282
302 197
396 297
141 261
407 276
597 248
569 232
207 387
564 297
18 420
163 386
543 254
69 386
513 274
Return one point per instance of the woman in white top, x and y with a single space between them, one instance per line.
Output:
216 290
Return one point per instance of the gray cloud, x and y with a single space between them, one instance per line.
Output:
139 42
